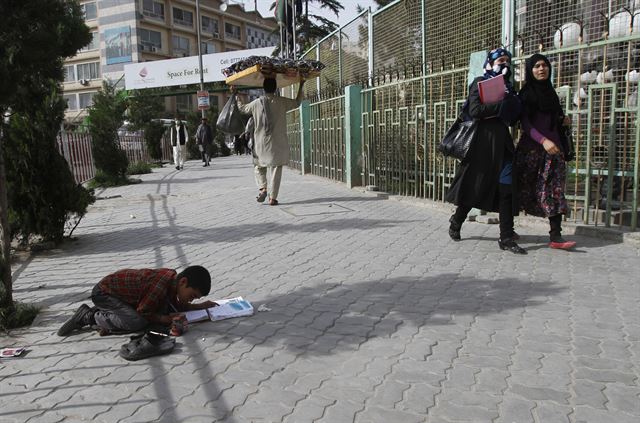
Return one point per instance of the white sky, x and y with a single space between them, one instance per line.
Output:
348 14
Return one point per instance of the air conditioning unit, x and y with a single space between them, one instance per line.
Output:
84 82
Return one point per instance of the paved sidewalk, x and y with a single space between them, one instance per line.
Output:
376 316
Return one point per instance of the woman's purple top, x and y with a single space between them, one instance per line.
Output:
538 127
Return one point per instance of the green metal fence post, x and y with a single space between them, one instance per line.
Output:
305 137
352 136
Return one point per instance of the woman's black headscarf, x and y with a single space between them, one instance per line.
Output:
539 96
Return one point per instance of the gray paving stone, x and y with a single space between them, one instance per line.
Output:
623 398
458 413
342 411
384 415
540 394
308 410
590 393
587 414
513 409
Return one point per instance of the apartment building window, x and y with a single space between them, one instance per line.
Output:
86 100
210 26
232 31
207 47
182 17
180 46
94 44
213 102
153 9
69 73
90 10
88 70
72 101
150 40
184 103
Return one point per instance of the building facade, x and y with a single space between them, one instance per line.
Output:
131 31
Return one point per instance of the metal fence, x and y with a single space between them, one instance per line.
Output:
327 139
415 80
76 149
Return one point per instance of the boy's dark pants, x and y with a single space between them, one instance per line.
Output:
114 314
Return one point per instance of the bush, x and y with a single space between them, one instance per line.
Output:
103 180
105 118
138 168
153 132
17 315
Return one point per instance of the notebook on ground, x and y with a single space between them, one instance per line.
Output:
492 90
226 309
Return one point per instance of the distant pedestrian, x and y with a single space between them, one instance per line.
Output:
270 147
248 135
204 140
237 144
543 150
179 138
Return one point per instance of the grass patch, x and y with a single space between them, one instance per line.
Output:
17 316
102 180
138 168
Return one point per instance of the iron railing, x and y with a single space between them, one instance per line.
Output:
415 80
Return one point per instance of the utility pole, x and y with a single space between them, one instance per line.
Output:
198 23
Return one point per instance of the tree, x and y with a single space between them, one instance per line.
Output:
142 110
310 28
42 191
35 36
106 116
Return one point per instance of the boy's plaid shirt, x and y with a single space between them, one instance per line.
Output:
147 290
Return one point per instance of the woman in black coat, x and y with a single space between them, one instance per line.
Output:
485 178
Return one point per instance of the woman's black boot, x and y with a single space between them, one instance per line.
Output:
454 228
510 245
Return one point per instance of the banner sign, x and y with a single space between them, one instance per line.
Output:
185 70
118 45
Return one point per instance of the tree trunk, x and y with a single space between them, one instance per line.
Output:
6 290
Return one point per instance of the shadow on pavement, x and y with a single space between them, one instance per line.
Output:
327 318
177 235
330 200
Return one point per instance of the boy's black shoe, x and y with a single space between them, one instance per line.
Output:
81 318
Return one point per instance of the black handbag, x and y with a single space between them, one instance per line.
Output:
566 138
458 139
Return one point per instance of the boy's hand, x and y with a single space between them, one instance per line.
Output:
206 304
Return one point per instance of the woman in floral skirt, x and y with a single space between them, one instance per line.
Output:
543 150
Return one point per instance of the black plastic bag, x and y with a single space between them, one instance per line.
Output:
230 121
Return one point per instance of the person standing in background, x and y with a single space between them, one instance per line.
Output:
179 143
204 139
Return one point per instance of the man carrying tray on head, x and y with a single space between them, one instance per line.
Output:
271 148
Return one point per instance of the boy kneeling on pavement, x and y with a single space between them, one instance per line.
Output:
129 300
